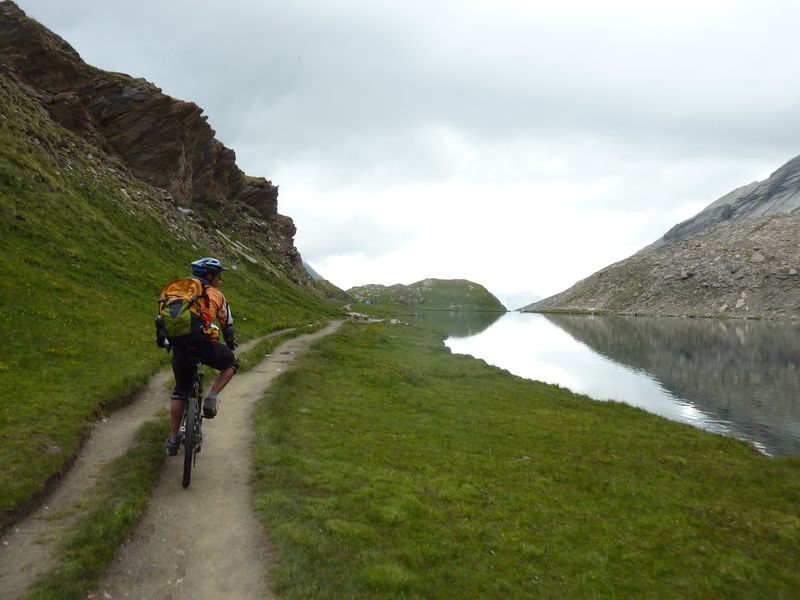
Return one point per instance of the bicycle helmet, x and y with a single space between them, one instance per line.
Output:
207 267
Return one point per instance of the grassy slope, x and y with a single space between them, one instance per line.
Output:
82 263
389 468
432 294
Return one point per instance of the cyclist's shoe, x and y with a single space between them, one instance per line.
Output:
210 406
172 446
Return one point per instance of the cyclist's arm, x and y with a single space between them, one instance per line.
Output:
225 320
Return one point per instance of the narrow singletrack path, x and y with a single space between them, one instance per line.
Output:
201 542
205 541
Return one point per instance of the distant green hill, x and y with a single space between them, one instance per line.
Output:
431 294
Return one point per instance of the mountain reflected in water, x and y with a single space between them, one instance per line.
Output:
453 323
737 377
740 372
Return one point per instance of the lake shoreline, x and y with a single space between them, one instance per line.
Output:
735 377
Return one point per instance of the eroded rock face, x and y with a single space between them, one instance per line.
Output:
165 142
745 268
778 194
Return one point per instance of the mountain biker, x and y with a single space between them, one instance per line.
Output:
208 351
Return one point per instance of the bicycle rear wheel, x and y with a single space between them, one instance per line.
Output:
190 440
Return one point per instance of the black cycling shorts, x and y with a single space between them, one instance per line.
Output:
215 355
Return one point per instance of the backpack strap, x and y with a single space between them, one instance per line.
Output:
204 286
208 302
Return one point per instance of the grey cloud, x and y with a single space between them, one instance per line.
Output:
347 85
342 236
646 106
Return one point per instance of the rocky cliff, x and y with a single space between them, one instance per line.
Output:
739 257
165 142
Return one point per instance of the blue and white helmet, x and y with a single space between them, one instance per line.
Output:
205 267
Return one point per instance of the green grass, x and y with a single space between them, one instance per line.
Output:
249 359
431 294
84 250
383 311
119 500
448 322
115 508
389 468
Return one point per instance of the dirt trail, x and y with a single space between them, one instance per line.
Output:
203 542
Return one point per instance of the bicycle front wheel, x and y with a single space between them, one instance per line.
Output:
190 440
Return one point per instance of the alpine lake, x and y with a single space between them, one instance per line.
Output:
733 377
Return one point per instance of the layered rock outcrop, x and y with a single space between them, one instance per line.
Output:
167 143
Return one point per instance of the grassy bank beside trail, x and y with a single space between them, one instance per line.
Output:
388 467
117 505
263 348
84 250
120 499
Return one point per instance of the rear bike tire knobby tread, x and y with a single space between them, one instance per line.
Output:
190 440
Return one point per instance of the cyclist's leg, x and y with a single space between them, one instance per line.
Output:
175 416
220 357
223 379
182 369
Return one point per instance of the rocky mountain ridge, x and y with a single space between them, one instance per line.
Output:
745 268
165 142
739 257
778 194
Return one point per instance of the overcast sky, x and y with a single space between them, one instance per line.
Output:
519 144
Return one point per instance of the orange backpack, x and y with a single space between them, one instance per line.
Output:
181 310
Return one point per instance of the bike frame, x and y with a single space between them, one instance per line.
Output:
191 430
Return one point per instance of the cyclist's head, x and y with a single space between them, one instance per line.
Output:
207 267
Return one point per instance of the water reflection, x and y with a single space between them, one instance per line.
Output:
735 377
455 323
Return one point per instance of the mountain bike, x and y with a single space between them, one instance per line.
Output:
190 433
